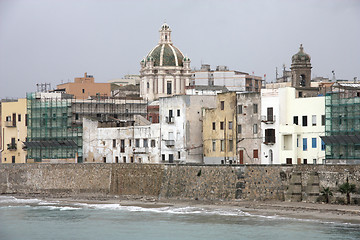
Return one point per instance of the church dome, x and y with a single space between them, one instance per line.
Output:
301 56
165 53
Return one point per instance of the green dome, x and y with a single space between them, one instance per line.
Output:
166 55
301 56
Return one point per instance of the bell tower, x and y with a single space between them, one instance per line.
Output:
301 69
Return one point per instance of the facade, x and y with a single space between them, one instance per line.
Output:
181 127
222 76
85 87
135 143
129 79
231 131
164 71
293 135
342 128
219 130
248 111
13 128
270 102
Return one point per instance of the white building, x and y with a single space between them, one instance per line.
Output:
129 79
222 76
293 135
132 144
164 71
270 126
181 127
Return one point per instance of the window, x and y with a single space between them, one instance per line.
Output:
230 125
297 142
163 157
83 90
179 155
314 161
170 113
26 119
256 153
304 144
296 120
117 159
145 142
171 158
13 159
150 119
132 159
124 159
213 125
322 120
270 135
8 118
19 117
76 116
129 142
214 145
322 145
152 143
222 105
239 128
137 142
222 145
240 109
104 159
304 121
305 161
255 108
255 128
168 87
313 141
270 114
221 125
178 112
122 145
147 85
230 145
114 143
314 120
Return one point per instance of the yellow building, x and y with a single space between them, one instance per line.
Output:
14 131
219 131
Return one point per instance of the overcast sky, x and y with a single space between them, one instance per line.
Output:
48 41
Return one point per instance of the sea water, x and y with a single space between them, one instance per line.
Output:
29 219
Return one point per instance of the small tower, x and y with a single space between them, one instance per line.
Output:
301 69
165 34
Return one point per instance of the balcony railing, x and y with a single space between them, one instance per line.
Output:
11 147
268 119
10 124
169 143
170 119
269 140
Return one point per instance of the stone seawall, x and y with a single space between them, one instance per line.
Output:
248 182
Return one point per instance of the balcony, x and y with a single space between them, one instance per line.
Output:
10 124
141 150
269 140
268 119
170 143
170 119
11 147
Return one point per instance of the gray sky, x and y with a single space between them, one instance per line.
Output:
54 41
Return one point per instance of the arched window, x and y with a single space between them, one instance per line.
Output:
302 80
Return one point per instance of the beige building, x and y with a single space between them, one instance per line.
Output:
14 131
84 87
219 130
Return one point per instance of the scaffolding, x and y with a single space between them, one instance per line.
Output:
50 134
55 122
342 128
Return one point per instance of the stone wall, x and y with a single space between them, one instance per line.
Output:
248 182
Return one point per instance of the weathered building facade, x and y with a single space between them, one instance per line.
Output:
135 143
181 127
13 128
